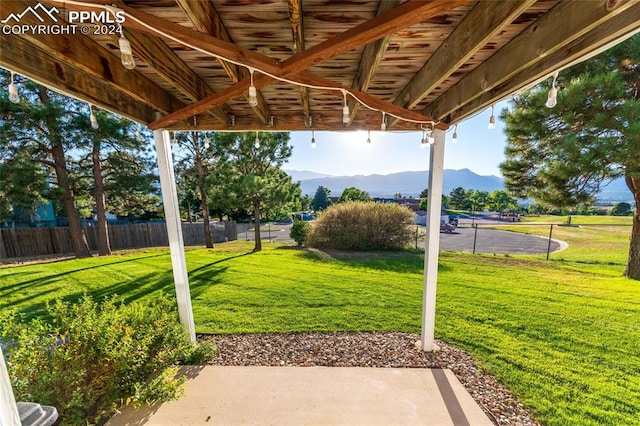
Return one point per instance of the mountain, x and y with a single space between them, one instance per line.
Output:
614 191
299 175
405 183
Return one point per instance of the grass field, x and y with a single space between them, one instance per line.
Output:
563 336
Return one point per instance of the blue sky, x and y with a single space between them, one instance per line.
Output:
347 153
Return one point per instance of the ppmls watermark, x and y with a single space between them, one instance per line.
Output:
77 22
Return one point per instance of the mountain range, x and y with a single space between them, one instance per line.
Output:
411 183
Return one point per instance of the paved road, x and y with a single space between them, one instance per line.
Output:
487 240
495 241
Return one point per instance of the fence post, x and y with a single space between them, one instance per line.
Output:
549 243
475 236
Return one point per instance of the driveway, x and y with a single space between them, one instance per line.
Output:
495 241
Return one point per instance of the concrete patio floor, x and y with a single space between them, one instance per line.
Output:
313 396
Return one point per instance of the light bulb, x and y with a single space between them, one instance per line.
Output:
207 143
13 91
93 119
313 139
423 142
175 140
253 96
138 135
431 140
369 137
256 143
126 54
345 114
383 125
492 122
552 99
455 136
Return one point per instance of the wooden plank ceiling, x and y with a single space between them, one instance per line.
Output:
411 62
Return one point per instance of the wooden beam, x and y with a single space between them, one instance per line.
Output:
85 54
297 34
615 29
159 57
370 61
22 57
205 18
564 23
400 17
407 14
485 21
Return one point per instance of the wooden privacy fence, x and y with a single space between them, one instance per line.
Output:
28 242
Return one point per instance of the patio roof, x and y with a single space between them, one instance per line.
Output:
420 61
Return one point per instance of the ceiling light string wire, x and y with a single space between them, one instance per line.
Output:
113 10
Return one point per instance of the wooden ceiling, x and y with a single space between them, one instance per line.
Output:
439 61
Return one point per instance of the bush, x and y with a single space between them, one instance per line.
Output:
300 231
363 226
93 358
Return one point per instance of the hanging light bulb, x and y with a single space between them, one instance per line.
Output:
430 139
256 143
383 125
345 109
13 91
423 142
138 134
552 98
369 137
455 134
313 139
126 54
492 120
92 118
253 92
175 140
207 142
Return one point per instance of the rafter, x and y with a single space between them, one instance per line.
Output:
389 22
595 40
486 20
24 58
548 35
297 34
205 18
93 59
159 57
370 61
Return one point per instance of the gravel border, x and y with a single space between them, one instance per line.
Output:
374 349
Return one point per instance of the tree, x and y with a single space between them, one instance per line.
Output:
39 127
500 200
621 209
198 158
321 199
458 199
249 175
424 193
560 157
354 194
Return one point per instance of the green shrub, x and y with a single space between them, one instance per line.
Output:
363 226
94 357
300 231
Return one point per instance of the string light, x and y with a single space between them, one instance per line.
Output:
345 109
455 134
369 137
313 139
492 120
383 125
13 90
423 142
138 134
175 140
253 92
552 98
126 53
256 143
431 139
92 118
207 142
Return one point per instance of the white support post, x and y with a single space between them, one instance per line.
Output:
174 230
8 409
432 240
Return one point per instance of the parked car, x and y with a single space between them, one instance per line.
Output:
453 220
284 221
447 227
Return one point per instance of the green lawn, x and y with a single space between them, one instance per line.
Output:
563 336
